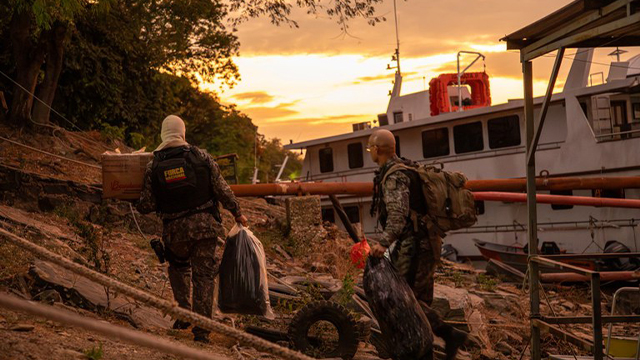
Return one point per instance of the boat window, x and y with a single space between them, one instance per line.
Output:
397 117
561 192
479 207
435 143
468 137
355 155
504 131
605 193
353 213
398 145
326 159
328 214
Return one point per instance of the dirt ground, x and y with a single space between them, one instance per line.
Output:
105 237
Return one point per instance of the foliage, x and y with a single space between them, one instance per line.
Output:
486 282
95 353
344 296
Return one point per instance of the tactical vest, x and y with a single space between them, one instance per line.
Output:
181 181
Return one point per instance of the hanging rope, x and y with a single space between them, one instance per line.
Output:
50 154
154 301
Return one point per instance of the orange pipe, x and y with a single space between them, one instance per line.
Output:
366 188
560 183
559 200
604 276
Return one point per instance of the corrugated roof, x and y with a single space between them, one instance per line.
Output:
582 23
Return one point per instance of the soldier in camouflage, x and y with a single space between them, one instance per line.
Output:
397 200
192 231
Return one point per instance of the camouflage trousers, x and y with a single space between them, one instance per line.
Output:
416 258
193 262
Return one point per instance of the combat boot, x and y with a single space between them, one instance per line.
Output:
454 339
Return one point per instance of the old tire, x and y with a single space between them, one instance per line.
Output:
338 316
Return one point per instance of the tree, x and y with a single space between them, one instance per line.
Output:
38 30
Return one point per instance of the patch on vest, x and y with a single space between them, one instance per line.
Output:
173 175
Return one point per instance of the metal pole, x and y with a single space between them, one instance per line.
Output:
284 163
459 84
532 221
479 55
597 316
395 13
547 101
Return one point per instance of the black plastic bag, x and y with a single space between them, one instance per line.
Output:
405 328
243 287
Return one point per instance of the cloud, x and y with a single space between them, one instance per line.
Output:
254 97
323 120
425 27
265 112
384 77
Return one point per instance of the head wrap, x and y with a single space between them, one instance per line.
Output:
173 133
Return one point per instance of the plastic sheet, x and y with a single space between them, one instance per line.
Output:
359 253
405 328
243 275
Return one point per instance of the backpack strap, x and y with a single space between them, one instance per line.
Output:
413 216
395 168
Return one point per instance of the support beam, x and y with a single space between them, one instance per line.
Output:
532 221
545 105
597 316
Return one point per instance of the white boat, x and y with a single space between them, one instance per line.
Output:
590 131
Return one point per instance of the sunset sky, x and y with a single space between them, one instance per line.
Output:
315 81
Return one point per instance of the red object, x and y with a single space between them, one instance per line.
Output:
359 253
559 200
439 91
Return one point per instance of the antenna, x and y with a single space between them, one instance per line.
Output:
397 55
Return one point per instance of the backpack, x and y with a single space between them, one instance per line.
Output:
180 180
450 206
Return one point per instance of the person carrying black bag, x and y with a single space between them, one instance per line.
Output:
183 184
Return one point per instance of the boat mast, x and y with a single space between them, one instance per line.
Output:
395 13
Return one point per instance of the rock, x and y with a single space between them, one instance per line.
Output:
22 327
69 354
81 292
48 296
282 252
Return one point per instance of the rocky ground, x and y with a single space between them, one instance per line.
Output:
56 204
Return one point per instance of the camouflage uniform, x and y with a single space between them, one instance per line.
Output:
414 255
190 239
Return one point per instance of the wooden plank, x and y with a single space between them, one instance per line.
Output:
563 335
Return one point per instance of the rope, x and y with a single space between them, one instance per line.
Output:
50 154
135 219
154 301
50 108
106 329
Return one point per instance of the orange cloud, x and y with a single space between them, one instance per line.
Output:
254 97
266 112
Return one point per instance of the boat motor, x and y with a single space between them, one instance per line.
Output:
622 263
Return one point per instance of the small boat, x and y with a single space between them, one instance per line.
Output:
516 256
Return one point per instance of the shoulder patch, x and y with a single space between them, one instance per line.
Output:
391 183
